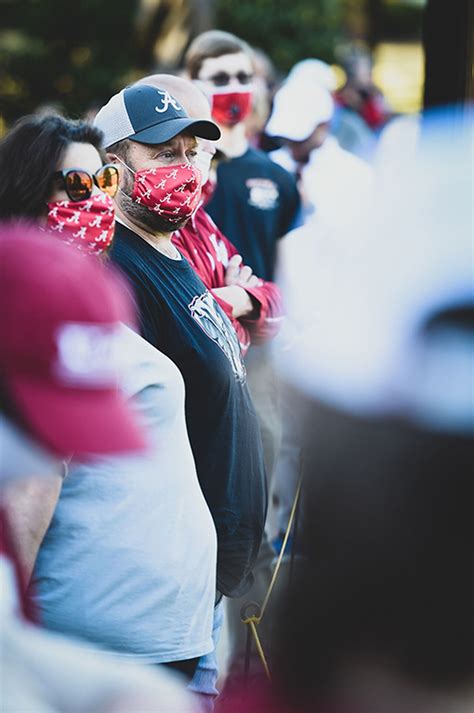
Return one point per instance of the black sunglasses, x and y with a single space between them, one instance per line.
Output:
79 183
221 79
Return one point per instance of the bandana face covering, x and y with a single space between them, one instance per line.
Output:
88 224
230 108
171 191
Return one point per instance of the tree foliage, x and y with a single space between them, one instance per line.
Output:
78 53
287 30
70 53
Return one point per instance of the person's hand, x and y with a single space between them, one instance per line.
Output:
233 270
242 305
242 276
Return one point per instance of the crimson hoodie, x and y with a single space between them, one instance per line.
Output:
208 251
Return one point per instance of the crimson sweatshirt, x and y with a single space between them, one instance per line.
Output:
208 251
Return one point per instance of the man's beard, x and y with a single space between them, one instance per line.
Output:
143 216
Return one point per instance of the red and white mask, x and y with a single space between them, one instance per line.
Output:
170 191
87 224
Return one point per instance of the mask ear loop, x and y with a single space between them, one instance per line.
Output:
131 171
124 164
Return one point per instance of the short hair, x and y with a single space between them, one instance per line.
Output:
214 43
120 148
29 155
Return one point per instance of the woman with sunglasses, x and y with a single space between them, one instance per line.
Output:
52 172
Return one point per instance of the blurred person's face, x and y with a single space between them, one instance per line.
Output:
232 71
140 163
301 150
228 79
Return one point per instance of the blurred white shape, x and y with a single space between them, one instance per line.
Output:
360 299
337 184
298 108
21 456
47 673
312 71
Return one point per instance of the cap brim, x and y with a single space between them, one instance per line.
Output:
166 130
76 421
288 130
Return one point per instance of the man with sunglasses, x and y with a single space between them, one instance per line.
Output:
153 141
255 203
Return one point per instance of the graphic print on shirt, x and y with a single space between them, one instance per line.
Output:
263 193
214 322
221 250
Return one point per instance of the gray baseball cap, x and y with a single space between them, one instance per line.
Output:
148 115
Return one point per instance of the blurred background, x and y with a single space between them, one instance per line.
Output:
73 56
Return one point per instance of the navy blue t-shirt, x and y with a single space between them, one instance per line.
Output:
180 317
255 203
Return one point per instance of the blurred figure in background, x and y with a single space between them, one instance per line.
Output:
254 204
350 130
331 179
379 619
48 411
334 186
359 93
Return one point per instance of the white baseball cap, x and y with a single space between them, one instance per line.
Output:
298 108
313 72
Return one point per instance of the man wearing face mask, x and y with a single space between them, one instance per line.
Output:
151 137
255 202
254 306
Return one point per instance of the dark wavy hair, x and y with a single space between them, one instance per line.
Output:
30 154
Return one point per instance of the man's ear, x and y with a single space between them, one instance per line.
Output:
111 158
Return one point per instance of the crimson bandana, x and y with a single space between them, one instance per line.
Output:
231 108
171 191
89 224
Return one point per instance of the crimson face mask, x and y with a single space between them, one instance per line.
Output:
88 224
230 108
171 191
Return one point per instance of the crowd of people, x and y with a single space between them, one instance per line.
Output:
209 290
